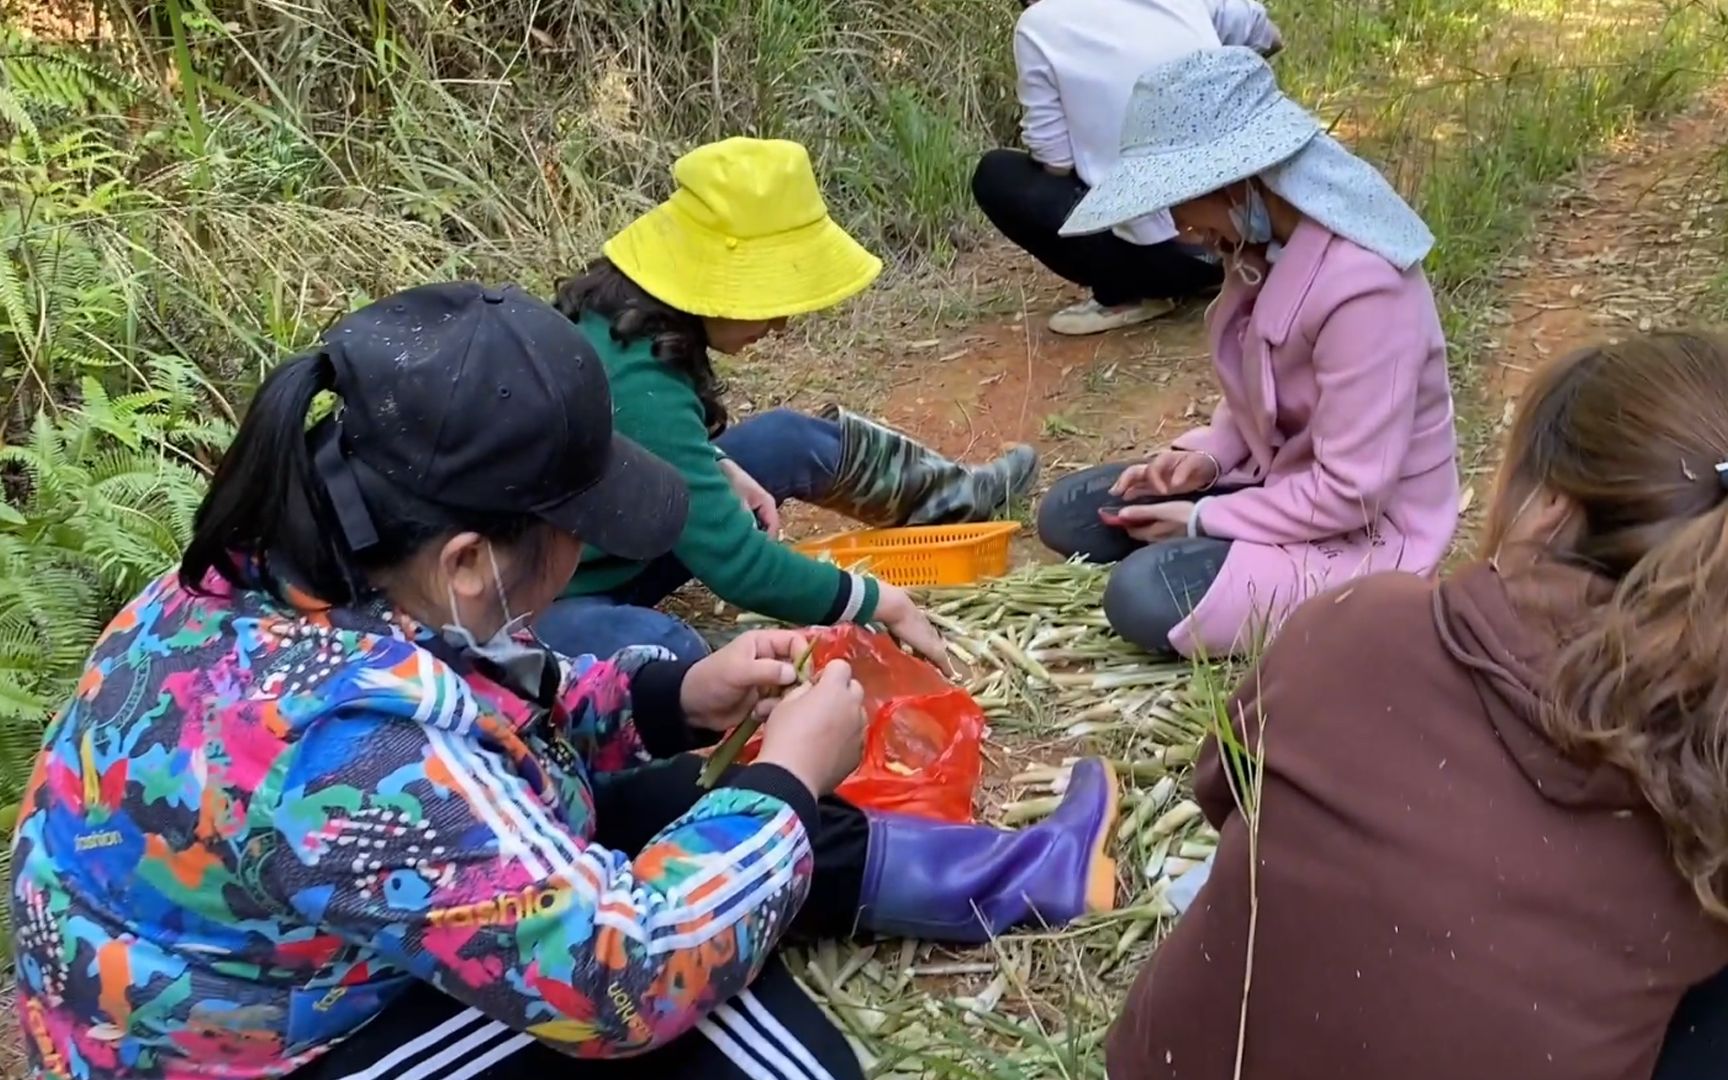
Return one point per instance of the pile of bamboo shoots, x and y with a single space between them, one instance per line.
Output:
1033 648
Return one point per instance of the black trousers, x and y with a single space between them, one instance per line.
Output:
772 1031
1697 1043
1154 586
1028 205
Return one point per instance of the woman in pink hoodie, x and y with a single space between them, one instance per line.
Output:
1332 452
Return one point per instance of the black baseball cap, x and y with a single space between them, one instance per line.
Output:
487 399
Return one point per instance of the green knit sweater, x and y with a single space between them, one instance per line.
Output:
656 405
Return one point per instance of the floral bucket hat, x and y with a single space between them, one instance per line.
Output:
1206 120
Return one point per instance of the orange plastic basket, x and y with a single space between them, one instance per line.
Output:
927 555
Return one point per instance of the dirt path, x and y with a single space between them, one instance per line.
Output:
1631 244
1079 399
973 390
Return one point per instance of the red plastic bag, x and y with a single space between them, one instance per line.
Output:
924 747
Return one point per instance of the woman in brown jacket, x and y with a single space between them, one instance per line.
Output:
1487 834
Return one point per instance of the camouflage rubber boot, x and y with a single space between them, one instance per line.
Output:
887 478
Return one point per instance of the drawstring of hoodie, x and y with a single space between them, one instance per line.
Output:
1493 669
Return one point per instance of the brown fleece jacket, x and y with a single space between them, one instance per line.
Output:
1442 895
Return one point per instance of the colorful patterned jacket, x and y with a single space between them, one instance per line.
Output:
258 821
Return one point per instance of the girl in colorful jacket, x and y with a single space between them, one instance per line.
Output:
744 244
319 808
1332 451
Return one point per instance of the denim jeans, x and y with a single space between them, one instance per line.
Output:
791 454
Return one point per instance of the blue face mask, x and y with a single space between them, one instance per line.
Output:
1253 222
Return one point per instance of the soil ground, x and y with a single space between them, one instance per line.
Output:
1630 246
976 388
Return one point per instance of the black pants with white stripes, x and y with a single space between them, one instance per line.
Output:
772 1031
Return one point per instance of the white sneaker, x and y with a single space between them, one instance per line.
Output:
1092 317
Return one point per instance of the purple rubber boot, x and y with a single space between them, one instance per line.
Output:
969 883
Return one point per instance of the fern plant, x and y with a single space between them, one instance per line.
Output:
62 309
96 502
108 501
64 293
44 85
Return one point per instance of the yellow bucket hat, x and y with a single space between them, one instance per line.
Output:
745 236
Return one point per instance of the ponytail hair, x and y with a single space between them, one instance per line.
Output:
267 510
266 494
1632 435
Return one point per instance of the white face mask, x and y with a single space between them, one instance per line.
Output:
523 663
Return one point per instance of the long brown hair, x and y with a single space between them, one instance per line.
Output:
679 338
1632 434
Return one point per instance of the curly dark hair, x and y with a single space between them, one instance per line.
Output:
678 336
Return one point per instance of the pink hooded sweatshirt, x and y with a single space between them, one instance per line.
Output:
1337 409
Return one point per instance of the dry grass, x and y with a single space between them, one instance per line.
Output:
11 1039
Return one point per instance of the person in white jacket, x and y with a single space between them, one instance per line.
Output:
1077 62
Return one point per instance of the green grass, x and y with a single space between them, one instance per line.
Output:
1473 107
